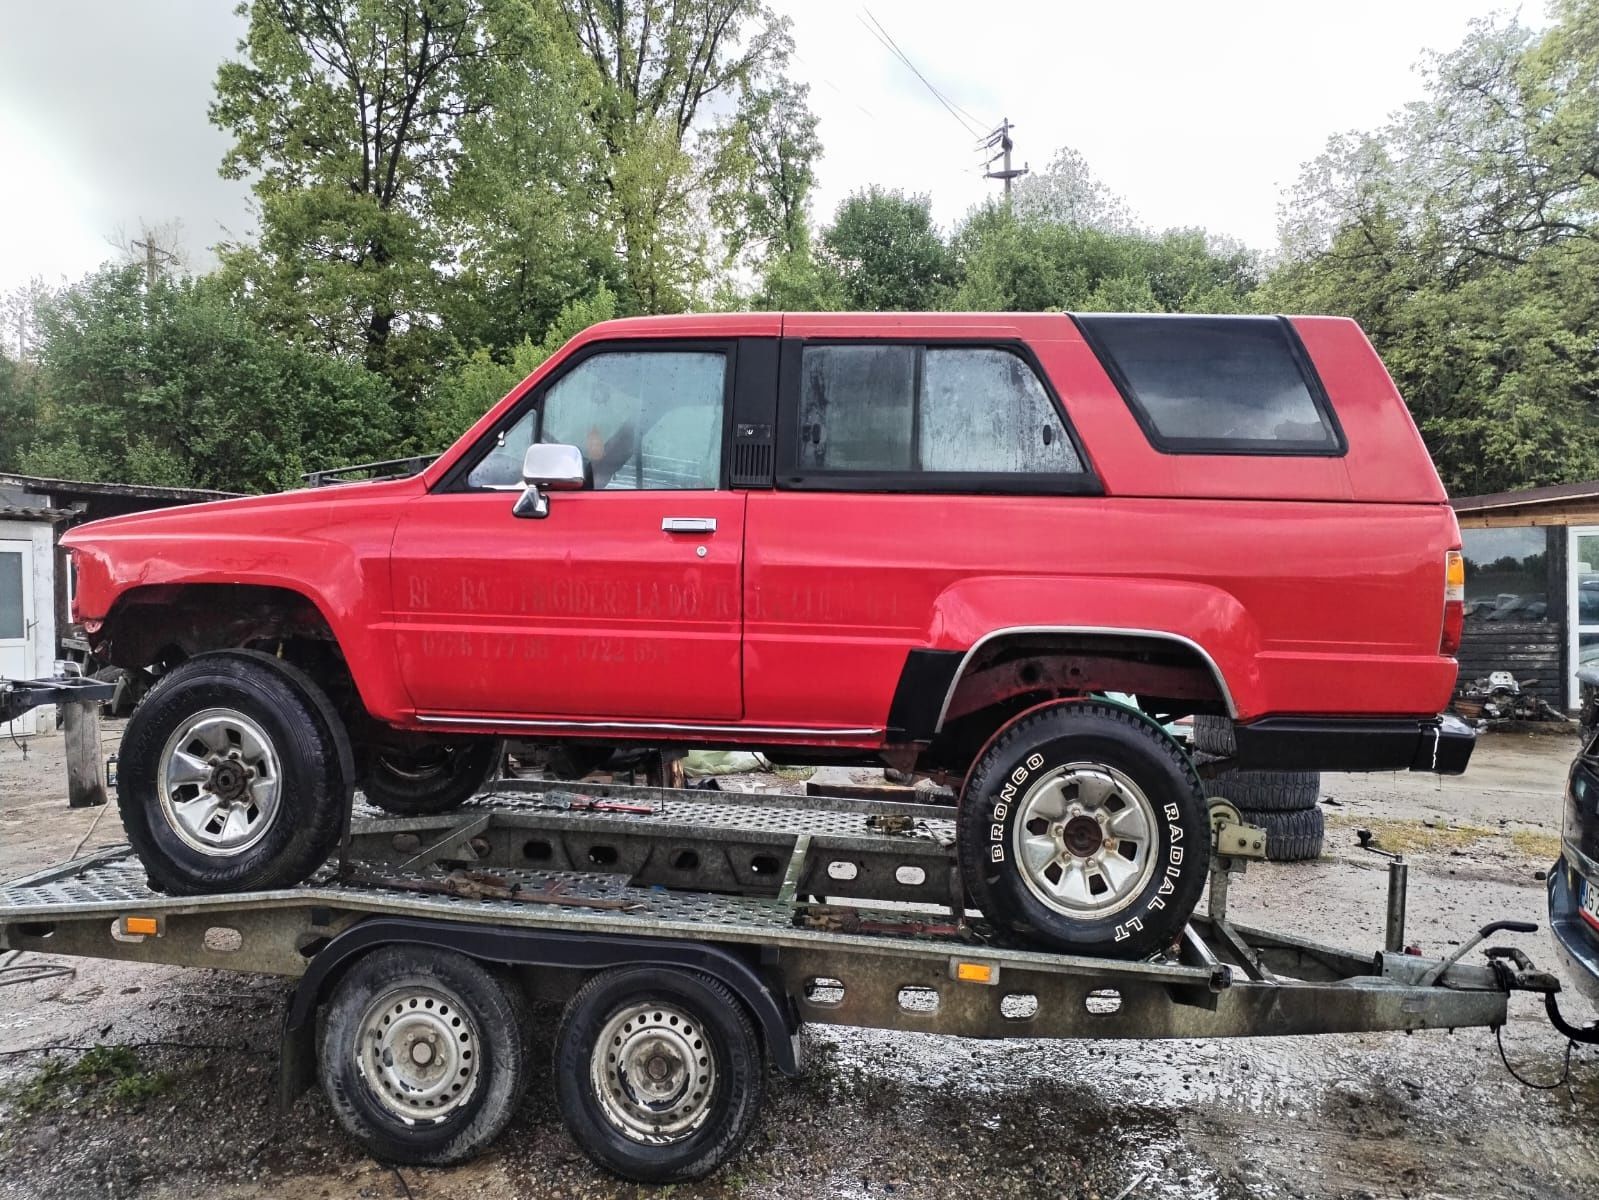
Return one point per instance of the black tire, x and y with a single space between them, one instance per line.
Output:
436 994
1173 861
1290 836
724 1036
314 763
1214 735
433 778
1269 791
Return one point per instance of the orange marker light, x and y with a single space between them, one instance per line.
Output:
970 972
145 925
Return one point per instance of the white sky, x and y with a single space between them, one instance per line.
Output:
1199 114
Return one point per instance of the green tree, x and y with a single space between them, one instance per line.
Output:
887 253
658 69
1462 236
178 385
351 118
19 406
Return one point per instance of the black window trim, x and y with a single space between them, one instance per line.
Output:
791 477
1224 446
455 479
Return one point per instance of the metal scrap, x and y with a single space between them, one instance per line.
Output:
487 885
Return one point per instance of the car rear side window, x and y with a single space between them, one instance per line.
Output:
959 412
1216 385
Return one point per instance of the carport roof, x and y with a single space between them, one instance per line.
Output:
1560 493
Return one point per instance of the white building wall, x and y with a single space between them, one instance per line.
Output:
41 648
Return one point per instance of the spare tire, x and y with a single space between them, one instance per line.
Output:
1214 735
1269 791
1290 836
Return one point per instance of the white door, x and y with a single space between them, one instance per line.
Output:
16 616
1582 588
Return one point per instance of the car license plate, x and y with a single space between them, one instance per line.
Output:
1590 903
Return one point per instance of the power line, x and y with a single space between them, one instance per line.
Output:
877 30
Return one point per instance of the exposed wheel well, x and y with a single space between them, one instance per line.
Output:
1171 677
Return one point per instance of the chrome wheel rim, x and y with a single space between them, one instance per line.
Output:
1085 840
654 1074
417 1049
220 781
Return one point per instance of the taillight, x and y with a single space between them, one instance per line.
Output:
1454 602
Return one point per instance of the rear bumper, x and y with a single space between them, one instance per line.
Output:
1441 745
1576 942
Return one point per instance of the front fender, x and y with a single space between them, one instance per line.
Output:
1208 619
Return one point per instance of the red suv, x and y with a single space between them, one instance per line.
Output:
927 540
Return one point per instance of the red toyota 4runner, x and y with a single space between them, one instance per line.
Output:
926 540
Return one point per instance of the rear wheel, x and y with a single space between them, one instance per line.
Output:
430 776
658 1073
234 775
1083 827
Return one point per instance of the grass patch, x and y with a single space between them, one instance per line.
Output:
110 1071
793 772
1536 844
1409 837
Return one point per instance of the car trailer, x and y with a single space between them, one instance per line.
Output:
690 933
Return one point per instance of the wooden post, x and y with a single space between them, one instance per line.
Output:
85 763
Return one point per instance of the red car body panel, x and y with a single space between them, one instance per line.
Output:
1314 585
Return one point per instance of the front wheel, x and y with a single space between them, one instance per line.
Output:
1083 827
235 775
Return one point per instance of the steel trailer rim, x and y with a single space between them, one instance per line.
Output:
219 781
1085 840
654 1073
418 1050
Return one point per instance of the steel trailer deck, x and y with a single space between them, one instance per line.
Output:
746 875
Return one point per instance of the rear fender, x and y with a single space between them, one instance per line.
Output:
976 611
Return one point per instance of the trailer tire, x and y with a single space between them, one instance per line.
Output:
617 1031
1083 827
1269 791
420 786
269 721
1290 836
402 1002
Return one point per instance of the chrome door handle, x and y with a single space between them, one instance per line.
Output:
688 524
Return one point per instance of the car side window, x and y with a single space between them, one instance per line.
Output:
644 420
956 410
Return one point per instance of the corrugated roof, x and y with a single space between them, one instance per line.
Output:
1554 494
85 487
34 514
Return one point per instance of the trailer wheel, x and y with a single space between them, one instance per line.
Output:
425 1057
234 775
658 1073
1083 827
430 778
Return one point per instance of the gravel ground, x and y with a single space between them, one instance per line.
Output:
878 1114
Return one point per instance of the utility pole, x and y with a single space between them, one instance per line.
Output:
1002 139
151 250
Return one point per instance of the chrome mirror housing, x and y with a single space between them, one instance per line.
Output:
549 467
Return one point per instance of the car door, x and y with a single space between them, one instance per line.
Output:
623 603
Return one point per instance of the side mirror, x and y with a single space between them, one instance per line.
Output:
549 467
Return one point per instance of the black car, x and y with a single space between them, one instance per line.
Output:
1574 882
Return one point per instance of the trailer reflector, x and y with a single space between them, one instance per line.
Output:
974 972
146 926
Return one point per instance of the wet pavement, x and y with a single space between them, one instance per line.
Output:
880 1114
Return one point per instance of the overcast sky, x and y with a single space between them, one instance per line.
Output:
1197 113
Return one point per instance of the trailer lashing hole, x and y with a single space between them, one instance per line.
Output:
765 864
1101 1002
603 856
910 876
1018 1006
842 869
537 850
685 860
917 999
223 939
44 929
824 992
